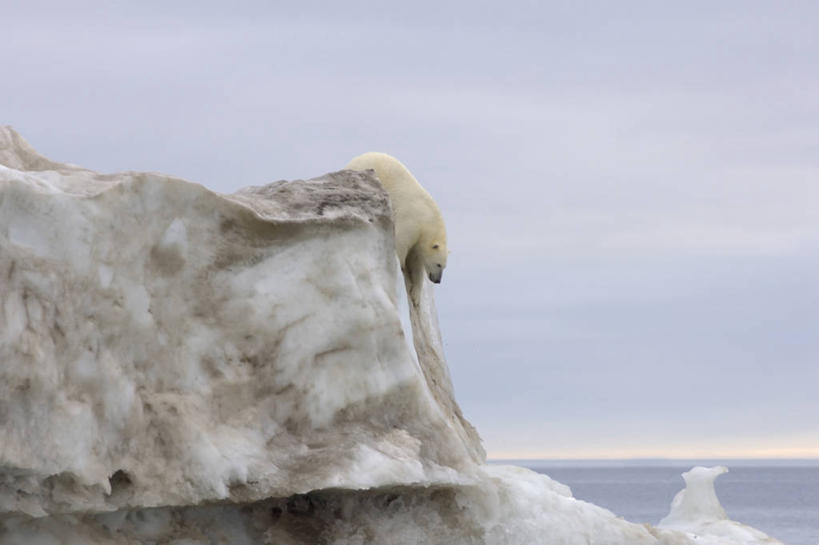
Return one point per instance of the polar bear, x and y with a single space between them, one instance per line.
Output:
420 234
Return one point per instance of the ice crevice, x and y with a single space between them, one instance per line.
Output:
187 367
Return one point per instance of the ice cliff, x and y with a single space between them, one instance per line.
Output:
180 366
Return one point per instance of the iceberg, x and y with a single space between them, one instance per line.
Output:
697 512
187 367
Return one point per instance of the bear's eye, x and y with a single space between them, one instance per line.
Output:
439 265
434 246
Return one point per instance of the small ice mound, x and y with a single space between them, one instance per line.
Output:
697 512
697 502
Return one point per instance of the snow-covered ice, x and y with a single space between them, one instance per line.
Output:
181 366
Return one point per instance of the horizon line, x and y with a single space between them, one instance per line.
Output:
682 453
660 461
660 458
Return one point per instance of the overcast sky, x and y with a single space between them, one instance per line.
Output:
631 189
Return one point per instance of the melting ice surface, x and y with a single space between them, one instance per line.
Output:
179 366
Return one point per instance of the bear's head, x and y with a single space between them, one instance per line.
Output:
435 255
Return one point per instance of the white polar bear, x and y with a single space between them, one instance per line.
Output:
420 234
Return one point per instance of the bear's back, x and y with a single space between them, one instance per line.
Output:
394 176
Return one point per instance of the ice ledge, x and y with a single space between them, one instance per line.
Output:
162 344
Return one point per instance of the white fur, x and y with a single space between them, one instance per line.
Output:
420 234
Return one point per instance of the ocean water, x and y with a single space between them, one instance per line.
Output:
781 498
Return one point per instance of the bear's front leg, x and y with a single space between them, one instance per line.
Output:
414 276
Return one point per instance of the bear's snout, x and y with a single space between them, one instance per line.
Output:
436 278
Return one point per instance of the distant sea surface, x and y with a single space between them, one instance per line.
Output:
779 497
